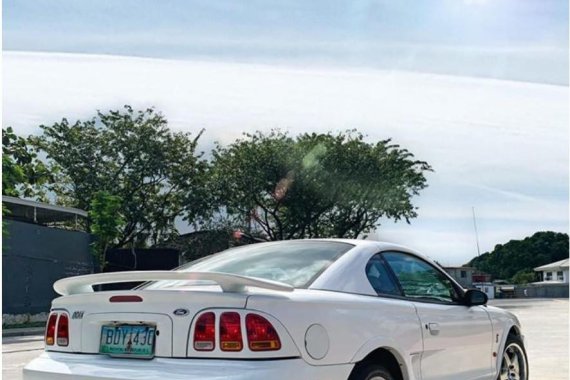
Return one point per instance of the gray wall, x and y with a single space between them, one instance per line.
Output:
542 291
33 257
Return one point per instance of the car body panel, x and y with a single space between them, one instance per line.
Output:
457 342
502 321
343 274
62 366
157 308
392 322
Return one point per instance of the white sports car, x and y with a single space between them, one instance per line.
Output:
306 309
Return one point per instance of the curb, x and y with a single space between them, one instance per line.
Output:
23 331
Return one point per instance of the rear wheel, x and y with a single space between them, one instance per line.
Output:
370 371
514 365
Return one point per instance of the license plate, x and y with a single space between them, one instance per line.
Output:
134 341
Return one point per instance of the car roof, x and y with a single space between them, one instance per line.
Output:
381 245
360 243
339 276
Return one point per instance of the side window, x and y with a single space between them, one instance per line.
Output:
419 279
379 278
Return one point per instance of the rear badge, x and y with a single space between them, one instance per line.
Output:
181 312
77 315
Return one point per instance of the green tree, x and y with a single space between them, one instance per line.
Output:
23 174
523 277
518 257
315 185
131 155
106 223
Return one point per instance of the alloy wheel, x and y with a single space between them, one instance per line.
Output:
514 366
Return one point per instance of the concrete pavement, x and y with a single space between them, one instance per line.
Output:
17 352
545 327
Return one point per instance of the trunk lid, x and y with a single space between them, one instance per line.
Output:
171 311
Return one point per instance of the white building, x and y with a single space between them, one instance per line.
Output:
486 287
555 272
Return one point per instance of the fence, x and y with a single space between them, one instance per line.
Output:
542 291
33 257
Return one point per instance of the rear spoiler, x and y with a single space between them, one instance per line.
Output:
228 282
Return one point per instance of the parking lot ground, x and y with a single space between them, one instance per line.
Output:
545 327
544 322
17 352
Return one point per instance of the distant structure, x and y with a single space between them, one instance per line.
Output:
463 275
469 277
41 244
43 214
556 272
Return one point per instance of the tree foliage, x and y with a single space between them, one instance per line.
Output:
519 257
133 156
315 185
524 277
106 223
23 174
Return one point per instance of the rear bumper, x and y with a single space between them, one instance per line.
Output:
61 366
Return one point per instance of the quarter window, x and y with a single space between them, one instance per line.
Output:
379 277
420 280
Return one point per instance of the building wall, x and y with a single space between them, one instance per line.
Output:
33 257
487 288
465 281
554 276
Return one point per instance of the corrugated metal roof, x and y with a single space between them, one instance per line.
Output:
38 212
557 264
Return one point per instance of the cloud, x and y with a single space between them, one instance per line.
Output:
499 146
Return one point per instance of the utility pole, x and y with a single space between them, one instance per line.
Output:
476 233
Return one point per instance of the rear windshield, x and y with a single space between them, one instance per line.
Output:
296 263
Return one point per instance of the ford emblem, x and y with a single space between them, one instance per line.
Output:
181 312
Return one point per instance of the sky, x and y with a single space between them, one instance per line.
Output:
478 88
512 39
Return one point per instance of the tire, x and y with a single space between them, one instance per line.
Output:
370 371
514 362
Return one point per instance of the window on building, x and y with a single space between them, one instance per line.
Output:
548 276
463 274
560 276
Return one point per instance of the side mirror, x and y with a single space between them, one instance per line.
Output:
474 297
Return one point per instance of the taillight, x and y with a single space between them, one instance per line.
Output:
230 332
125 299
205 332
261 335
50 329
63 330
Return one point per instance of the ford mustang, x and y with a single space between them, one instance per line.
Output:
307 309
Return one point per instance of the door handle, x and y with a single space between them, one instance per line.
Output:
433 328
